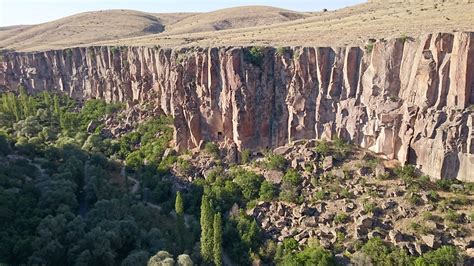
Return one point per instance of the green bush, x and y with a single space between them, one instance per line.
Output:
341 148
212 149
287 254
268 191
275 162
184 166
444 184
115 50
453 216
249 183
345 193
322 147
341 218
245 156
280 51
420 229
369 47
291 194
444 256
255 55
320 195
369 207
292 177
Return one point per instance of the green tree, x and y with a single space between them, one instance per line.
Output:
206 230
249 183
267 191
292 177
217 243
179 208
444 256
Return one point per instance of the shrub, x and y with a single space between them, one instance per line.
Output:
245 156
345 193
414 199
428 216
255 55
280 51
369 48
314 256
212 149
405 171
267 191
444 184
369 207
249 183
320 195
420 228
292 177
394 98
275 162
341 148
180 58
446 256
68 52
184 166
322 147
377 250
115 50
433 196
290 194
341 218
453 216
309 168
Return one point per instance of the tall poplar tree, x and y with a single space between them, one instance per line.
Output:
217 240
206 230
179 208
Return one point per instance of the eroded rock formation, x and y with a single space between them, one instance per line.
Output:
408 99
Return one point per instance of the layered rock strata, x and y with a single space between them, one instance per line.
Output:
410 100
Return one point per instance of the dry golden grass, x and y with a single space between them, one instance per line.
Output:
349 26
252 25
85 28
234 18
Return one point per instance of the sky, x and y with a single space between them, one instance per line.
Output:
24 12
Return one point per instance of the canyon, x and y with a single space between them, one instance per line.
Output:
409 99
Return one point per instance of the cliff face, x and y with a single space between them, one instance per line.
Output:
408 100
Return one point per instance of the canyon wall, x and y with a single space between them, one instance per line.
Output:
411 100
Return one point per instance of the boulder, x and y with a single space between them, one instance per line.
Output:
273 176
421 248
328 163
380 170
395 236
431 241
283 150
310 221
365 223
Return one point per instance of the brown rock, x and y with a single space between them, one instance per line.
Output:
430 240
406 100
273 176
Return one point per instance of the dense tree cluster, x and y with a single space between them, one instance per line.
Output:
63 200
71 196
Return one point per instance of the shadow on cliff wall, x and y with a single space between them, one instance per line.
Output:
450 168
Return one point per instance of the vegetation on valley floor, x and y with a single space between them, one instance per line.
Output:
66 197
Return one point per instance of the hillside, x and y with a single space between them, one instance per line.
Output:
348 26
234 18
251 25
85 28
112 25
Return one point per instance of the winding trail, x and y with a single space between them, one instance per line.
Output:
136 187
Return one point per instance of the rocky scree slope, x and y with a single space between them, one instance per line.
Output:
408 99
